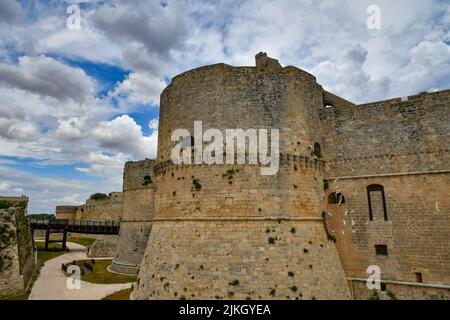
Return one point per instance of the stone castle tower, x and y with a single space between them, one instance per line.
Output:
226 231
137 212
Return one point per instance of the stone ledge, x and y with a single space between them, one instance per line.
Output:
239 219
407 283
123 268
285 159
389 174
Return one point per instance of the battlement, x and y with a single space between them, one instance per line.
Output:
11 202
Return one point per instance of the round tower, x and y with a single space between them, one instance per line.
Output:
137 212
227 230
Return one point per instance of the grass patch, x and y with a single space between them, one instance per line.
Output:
83 241
54 250
102 276
20 296
119 295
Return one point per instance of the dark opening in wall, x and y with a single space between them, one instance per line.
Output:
383 286
317 152
419 277
376 201
381 250
336 198
328 105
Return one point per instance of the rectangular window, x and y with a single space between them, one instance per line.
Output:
376 201
383 286
419 277
381 250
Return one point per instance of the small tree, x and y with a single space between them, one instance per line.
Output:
99 196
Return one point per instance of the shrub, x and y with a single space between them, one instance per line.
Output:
330 237
98 196
196 184
233 283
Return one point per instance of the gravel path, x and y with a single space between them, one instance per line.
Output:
51 283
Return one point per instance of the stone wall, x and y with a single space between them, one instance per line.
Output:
401 149
16 247
387 136
102 209
236 259
102 248
66 212
211 220
137 212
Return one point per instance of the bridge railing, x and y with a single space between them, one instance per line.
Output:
80 226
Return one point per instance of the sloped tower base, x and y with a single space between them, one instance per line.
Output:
256 258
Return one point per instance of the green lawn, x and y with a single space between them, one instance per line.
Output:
20 296
54 251
119 295
83 241
102 276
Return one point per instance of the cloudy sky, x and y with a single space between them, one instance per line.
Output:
76 103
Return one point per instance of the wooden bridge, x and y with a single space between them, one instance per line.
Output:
73 226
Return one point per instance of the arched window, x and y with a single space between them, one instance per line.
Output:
376 201
336 198
317 151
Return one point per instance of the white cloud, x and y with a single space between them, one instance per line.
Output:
73 199
24 131
104 165
123 134
47 77
139 88
4 186
10 11
72 128
153 124
46 193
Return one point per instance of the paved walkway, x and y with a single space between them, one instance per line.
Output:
51 283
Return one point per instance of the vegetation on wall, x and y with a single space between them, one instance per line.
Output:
42 216
24 238
5 204
99 196
6 238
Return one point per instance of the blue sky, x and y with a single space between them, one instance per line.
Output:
75 105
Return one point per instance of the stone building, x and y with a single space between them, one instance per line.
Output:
109 208
224 230
358 186
16 246
137 212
